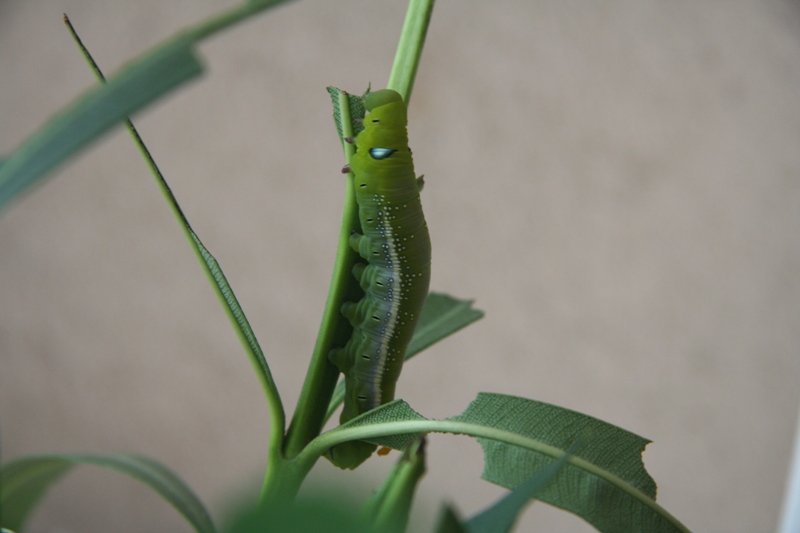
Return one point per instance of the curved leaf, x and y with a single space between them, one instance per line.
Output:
140 82
441 316
26 480
396 411
95 113
604 481
608 487
212 269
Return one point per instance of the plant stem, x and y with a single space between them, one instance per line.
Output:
309 415
409 50
282 481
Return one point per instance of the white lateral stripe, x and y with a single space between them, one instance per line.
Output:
394 307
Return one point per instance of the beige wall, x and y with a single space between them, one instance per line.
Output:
615 183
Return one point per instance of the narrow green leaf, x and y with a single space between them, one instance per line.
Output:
442 316
357 111
137 84
389 508
213 271
24 484
241 326
334 330
605 483
93 114
26 480
500 517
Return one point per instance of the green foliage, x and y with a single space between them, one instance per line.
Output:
573 461
606 483
136 85
24 484
327 511
604 480
348 110
389 508
26 480
449 522
442 316
94 114
500 517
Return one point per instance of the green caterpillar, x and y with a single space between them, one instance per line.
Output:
396 245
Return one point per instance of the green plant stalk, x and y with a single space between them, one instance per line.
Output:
409 50
312 406
212 270
282 481
309 415
390 507
373 431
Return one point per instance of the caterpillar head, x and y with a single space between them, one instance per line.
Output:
385 125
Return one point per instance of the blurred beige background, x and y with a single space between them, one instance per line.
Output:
614 183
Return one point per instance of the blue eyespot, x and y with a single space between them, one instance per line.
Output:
381 153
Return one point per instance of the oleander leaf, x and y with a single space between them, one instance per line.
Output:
27 479
354 113
500 517
442 316
96 112
604 481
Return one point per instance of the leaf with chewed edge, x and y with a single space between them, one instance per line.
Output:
604 481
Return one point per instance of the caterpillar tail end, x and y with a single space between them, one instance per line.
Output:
349 455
